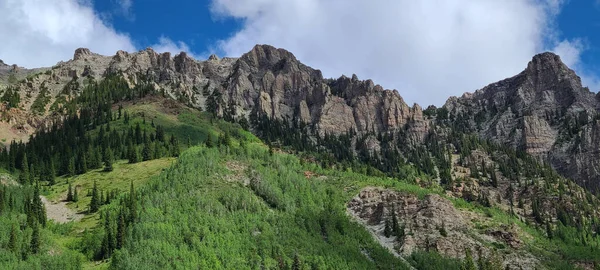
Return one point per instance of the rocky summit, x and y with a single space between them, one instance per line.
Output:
544 111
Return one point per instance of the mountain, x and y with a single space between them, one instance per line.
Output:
265 82
544 111
341 174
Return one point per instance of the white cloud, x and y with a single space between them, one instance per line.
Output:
570 53
165 44
38 33
428 50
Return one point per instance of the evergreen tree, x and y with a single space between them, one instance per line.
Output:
70 193
146 152
121 230
75 196
71 167
157 150
133 154
37 207
35 239
132 204
108 160
175 146
83 168
32 174
397 228
107 241
51 173
12 241
24 175
387 231
95 201
209 143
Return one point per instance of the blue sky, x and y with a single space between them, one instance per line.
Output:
427 50
188 21
581 19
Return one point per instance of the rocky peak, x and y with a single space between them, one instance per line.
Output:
81 53
545 111
213 57
2 64
546 70
185 64
121 55
266 57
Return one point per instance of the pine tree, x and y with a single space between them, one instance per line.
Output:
157 153
51 173
108 160
95 201
32 174
146 152
209 143
397 229
175 151
75 196
38 209
121 230
107 247
71 167
83 168
12 241
133 154
132 204
70 193
387 231
35 239
24 175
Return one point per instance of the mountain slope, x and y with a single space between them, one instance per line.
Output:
350 136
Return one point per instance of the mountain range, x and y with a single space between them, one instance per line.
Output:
544 110
504 176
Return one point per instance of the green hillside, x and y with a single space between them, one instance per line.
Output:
134 180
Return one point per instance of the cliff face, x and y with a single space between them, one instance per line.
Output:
544 111
266 81
433 223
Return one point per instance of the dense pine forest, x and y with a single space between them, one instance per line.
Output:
230 201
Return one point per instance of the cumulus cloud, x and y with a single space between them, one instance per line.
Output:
570 53
427 50
40 33
165 44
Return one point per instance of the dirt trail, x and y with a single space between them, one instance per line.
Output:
59 212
